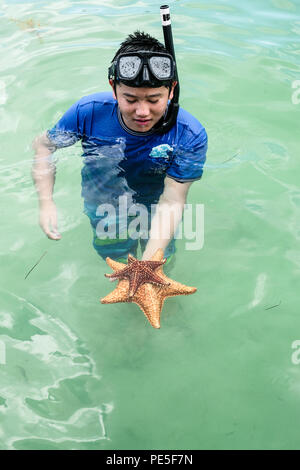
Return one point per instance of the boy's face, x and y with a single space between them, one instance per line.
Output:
142 108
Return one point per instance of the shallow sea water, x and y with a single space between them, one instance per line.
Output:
221 373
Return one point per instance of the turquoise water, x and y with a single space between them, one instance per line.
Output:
220 373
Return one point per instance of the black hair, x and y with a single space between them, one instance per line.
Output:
141 41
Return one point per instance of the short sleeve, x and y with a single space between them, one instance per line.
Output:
189 158
66 130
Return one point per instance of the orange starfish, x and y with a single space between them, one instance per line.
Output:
149 297
138 273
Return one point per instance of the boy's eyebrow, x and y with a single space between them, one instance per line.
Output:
154 95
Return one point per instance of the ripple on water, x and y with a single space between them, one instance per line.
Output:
49 388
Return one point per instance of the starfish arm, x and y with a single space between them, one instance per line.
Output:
183 290
119 294
121 274
175 288
155 264
149 303
155 278
115 265
131 259
134 284
111 276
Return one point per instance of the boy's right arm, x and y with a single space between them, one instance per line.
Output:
43 174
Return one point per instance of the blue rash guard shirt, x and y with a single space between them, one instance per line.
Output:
119 161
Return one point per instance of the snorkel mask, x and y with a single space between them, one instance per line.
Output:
143 68
151 69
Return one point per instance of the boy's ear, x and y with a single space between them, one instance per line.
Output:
172 90
111 82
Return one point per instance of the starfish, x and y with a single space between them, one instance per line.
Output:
149 297
138 273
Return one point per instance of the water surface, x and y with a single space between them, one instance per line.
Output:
219 373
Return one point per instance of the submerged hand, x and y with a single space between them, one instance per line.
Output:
48 220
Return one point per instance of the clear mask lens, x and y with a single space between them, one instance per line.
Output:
129 66
161 67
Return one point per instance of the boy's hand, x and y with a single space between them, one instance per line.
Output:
48 220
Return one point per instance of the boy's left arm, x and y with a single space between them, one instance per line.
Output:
167 217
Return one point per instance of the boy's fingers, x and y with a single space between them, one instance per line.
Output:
55 231
52 234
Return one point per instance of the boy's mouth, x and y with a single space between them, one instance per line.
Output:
142 122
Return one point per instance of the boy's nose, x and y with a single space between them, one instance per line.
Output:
142 110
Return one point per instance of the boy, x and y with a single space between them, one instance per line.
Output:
126 153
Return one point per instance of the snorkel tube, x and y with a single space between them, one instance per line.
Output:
173 108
